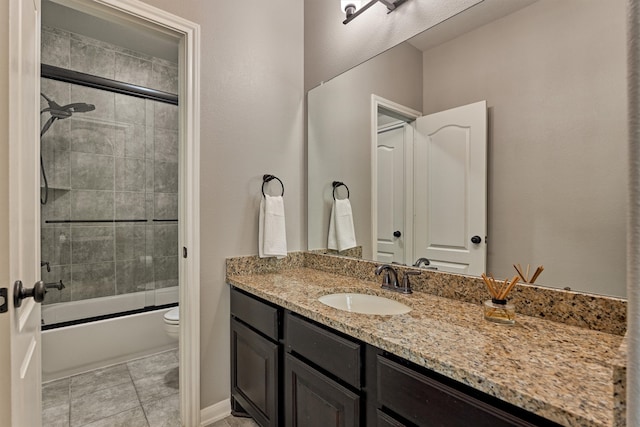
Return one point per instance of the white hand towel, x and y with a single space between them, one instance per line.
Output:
272 236
342 234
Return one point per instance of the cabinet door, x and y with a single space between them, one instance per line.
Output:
313 400
254 374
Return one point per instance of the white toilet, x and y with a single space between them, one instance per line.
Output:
172 322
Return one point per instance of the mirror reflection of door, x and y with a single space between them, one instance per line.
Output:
450 189
392 238
430 187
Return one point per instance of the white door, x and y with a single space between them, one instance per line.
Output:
24 210
450 189
390 196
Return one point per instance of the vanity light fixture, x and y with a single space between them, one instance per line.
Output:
353 8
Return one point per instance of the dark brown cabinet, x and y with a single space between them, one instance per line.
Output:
255 359
425 401
287 370
314 400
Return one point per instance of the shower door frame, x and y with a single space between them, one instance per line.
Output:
134 12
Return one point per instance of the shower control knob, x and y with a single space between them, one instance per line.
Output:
476 239
20 292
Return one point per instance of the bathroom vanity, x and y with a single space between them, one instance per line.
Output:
297 362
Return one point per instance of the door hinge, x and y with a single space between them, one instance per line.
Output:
4 305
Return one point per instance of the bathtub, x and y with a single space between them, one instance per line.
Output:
71 350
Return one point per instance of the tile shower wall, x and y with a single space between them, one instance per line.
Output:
119 161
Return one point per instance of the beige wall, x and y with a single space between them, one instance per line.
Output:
331 48
251 124
339 136
5 360
553 75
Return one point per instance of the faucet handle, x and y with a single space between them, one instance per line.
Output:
406 285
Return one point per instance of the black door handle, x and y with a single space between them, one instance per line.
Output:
476 239
20 292
397 233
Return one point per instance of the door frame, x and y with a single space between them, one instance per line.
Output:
135 12
409 113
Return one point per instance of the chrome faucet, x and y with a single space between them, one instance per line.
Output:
424 261
421 261
406 285
390 277
55 285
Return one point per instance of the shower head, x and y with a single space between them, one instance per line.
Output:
65 111
79 107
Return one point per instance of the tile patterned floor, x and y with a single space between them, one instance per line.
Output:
140 393
232 421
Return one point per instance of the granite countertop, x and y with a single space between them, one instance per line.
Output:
560 372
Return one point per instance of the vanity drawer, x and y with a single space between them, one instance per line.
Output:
255 313
336 355
426 401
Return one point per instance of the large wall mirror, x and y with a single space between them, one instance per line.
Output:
553 75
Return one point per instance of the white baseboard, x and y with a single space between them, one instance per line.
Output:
215 412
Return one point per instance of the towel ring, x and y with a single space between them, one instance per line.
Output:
266 178
337 184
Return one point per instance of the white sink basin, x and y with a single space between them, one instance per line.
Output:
364 304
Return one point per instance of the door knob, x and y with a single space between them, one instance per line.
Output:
476 239
397 233
20 292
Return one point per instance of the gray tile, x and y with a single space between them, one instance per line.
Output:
165 206
56 416
55 49
165 272
99 379
149 172
152 365
130 109
58 206
133 70
92 205
166 145
92 137
103 101
91 59
149 148
94 244
92 280
131 138
131 242
165 240
94 406
240 422
150 112
55 393
232 421
133 276
92 171
166 177
166 116
130 174
130 205
163 412
55 244
165 78
157 386
131 418
57 166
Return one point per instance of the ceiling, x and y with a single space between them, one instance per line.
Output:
136 38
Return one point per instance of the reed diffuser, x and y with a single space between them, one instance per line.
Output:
497 309
525 276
